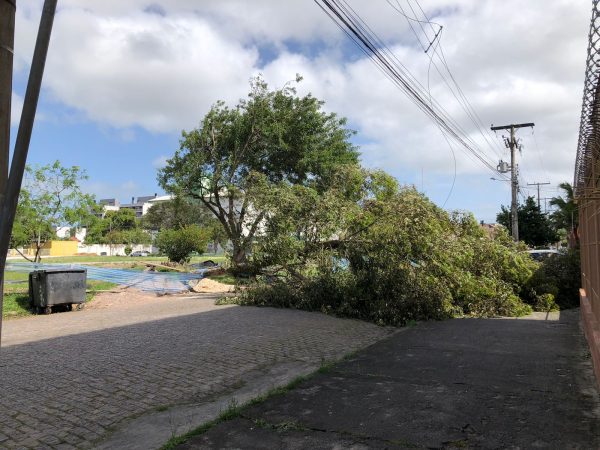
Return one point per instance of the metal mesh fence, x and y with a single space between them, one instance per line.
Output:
587 169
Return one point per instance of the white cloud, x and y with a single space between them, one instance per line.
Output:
16 105
163 68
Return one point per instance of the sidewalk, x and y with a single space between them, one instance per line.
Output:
130 375
473 383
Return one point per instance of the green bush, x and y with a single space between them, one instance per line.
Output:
128 250
179 244
557 277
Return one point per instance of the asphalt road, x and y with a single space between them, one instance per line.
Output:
472 383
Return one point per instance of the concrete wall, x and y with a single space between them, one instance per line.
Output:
112 250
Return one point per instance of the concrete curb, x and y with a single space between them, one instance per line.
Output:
152 430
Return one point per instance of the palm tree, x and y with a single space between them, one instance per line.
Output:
566 216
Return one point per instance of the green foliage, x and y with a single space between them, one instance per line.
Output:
557 278
174 214
365 248
566 215
535 229
50 197
179 244
128 250
276 135
117 227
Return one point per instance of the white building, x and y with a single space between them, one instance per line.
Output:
139 205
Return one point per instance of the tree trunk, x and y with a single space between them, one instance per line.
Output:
238 258
23 255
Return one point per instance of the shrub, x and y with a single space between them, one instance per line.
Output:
558 277
128 250
179 244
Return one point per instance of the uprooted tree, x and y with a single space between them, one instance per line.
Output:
275 136
369 249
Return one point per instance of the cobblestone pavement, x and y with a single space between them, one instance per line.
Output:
68 379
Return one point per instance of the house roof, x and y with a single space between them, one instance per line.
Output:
162 198
145 199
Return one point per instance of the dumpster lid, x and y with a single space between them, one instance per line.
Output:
62 270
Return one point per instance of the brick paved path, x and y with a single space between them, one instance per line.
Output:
68 379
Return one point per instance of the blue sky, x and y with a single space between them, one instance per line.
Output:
124 78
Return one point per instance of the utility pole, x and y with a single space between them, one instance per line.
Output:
538 188
7 40
19 159
546 204
512 144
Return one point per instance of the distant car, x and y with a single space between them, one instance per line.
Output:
140 253
542 253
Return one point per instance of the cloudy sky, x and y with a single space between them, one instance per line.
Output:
123 78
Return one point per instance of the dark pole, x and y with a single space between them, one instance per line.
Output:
7 39
538 191
514 180
514 183
17 167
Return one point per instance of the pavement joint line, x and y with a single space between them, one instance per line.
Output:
195 415
124 363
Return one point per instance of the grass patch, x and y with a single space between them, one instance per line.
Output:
94 286
15 305
227 278
97 285
16 295
15 276
234 410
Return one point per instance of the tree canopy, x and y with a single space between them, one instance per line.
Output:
535 229
50 197
117 227
175 214
275 136
566 215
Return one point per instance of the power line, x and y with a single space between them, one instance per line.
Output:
355 28
460 98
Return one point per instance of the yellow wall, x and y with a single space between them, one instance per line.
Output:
52 248
60 248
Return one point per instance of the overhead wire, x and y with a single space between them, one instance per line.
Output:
400 10
459 95
355 28
440 128
363 26
379 43
539 154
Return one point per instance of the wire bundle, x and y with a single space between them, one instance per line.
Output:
367 40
